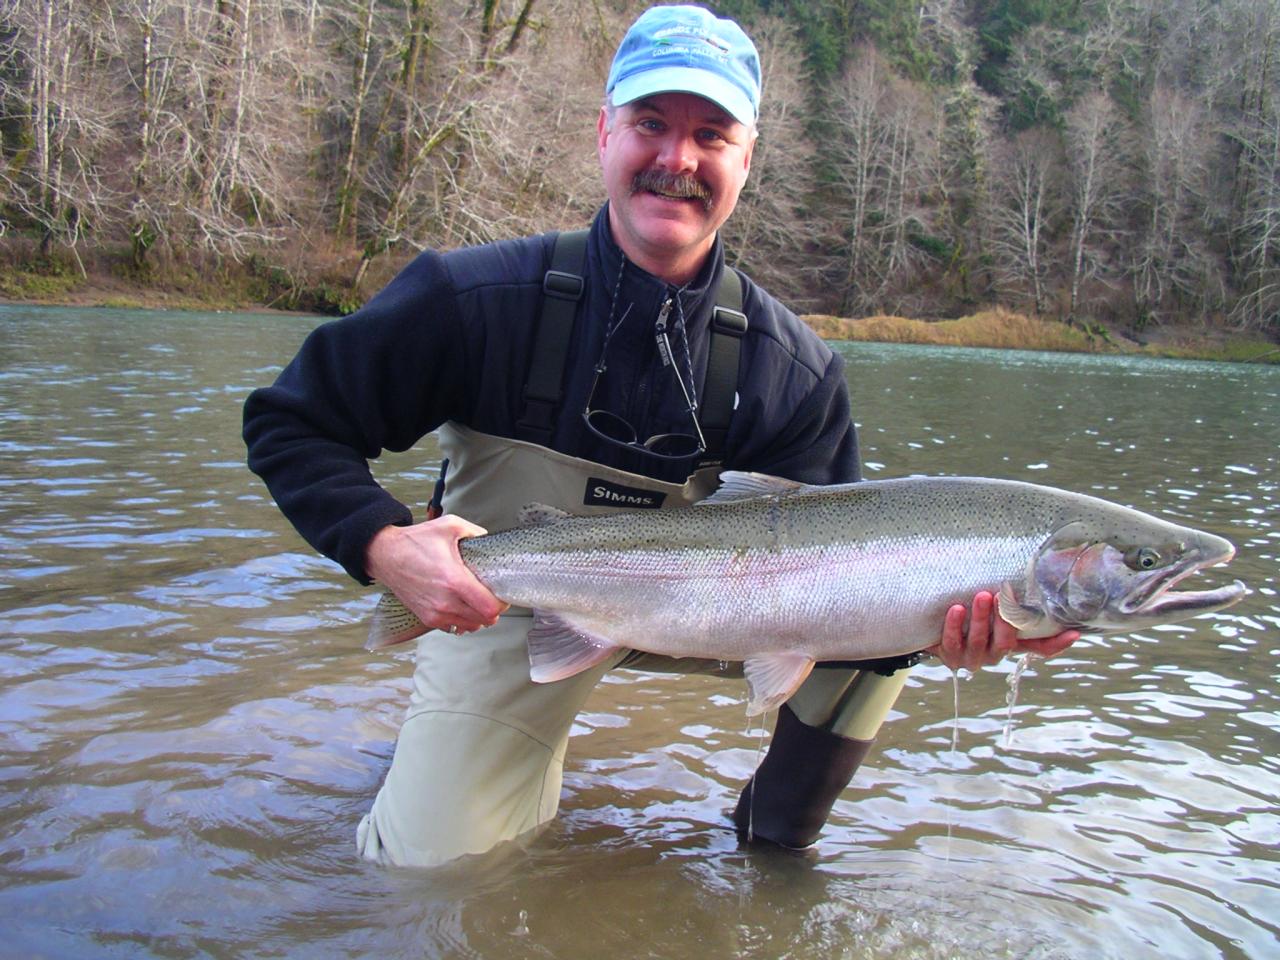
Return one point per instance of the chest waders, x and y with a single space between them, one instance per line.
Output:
480 755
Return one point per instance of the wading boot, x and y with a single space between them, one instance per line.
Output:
822 735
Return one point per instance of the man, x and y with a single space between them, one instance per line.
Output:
459 343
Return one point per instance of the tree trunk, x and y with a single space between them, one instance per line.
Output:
348 190
237 111
42 121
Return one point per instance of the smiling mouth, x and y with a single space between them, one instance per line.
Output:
671 187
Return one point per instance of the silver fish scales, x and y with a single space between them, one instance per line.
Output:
779 574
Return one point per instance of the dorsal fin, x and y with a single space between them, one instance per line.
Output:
737 485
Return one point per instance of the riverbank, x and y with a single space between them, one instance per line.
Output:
996 328
1005 330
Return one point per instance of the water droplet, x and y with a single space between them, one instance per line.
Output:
1011 699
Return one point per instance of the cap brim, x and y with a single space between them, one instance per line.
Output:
700 83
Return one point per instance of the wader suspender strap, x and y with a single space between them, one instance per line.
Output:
562 288
720 391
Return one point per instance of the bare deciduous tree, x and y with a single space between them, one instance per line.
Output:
60 188
960 186
1254 25
1259 305
888 147
858 103
770 234
1095 168
1170 269
491 148
1025 201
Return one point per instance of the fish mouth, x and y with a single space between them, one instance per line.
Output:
1157 598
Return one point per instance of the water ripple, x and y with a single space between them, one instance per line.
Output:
189 729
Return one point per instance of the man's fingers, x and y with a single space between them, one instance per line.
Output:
950 648
477 604
953 637
1050 646
423 566
978 651
1004 637
460 529
975 637
461 601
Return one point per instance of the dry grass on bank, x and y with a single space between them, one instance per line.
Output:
1005 330
998 328
320 288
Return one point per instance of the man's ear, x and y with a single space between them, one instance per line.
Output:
602 131
751 146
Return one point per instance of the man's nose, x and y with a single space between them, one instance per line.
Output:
678 154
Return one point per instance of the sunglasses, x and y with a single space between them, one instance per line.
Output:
615 430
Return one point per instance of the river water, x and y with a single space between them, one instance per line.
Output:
190 729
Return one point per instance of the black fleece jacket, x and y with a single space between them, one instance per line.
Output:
450 339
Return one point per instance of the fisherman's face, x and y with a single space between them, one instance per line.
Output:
673 165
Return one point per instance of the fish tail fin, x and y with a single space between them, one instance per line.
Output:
392 623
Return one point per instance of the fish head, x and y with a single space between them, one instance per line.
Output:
1118 579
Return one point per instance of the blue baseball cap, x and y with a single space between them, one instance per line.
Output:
688 50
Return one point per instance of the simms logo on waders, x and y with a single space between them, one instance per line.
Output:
602 493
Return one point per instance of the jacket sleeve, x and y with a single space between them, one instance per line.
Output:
819 442
377 380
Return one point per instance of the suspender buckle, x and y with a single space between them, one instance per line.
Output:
561 285
732 322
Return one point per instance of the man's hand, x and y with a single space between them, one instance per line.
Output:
990 638
422 566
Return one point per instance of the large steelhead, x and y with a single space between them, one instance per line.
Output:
780 575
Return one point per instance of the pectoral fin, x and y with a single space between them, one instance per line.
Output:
558 650
1030 621
772 678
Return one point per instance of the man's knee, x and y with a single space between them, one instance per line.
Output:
459 783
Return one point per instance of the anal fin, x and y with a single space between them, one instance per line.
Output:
772 678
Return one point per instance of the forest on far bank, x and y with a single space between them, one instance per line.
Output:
1093 160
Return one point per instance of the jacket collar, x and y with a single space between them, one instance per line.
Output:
642 288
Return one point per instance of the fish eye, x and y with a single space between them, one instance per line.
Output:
1142 558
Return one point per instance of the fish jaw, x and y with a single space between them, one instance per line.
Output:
1160 603
1097 585
1169 606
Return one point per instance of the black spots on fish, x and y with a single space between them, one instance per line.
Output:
774 520
954 506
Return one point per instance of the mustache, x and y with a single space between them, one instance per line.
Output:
673 185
